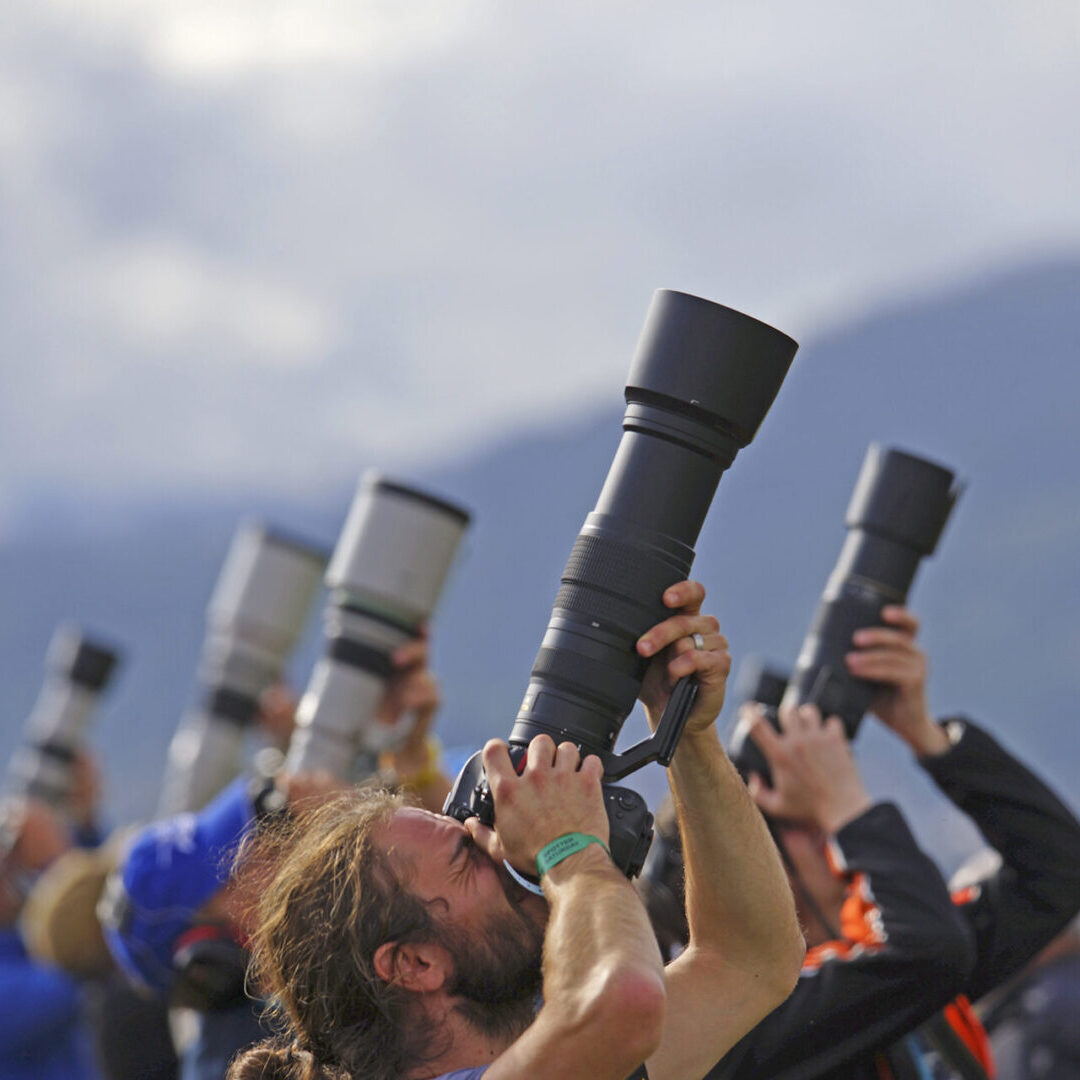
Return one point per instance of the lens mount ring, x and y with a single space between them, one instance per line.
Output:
699 642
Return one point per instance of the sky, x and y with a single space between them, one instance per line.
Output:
265 243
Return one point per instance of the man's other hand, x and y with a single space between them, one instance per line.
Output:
676 654
556 793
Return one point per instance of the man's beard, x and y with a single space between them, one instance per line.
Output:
497 974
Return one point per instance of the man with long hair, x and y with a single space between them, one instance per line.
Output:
397 946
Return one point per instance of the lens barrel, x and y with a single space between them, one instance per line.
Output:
385 578
78 669
897 513
699 386
256 613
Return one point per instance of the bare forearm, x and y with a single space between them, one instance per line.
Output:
597 923
737 895
603 976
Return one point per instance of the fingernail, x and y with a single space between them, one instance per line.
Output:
671 596
645 646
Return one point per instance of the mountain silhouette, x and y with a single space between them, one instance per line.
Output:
982 378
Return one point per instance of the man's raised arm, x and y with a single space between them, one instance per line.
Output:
745 947
603 984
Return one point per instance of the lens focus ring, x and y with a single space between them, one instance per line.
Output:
604 578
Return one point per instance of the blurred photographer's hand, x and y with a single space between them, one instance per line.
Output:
889 655
277 714
556 793
414 690
675 652
308 789
814 777
84 798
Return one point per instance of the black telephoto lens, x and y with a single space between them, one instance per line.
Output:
896 516
700 385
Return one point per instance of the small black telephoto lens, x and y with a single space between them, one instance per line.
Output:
896 516
764 686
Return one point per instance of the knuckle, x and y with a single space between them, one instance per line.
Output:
592 768
542 742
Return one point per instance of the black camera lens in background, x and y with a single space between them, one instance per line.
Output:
700 385
765 686
78 669
256 613
896 516
385 578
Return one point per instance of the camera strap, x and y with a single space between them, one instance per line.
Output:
523 881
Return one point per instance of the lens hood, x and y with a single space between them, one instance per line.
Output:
712 359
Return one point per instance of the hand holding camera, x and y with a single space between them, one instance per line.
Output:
814 778
556 792
686 644
889 656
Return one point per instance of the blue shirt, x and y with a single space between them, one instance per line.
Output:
41 1032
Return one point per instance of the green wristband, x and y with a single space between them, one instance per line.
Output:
562 848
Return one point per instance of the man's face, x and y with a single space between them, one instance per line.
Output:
491 926
805 848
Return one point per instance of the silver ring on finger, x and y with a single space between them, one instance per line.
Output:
699 642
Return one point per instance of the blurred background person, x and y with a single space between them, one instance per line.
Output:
173 922
889 946
42 1034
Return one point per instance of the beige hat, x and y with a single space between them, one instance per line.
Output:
59 922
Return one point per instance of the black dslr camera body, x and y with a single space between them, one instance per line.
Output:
629 818
700 384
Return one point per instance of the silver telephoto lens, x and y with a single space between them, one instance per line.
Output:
256 613
385 578
77 671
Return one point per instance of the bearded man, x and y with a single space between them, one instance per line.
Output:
397 945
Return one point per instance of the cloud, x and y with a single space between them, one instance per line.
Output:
156 296
270 242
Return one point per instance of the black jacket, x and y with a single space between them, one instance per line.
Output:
907 949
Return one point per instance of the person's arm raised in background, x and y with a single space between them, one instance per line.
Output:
1015 911
417 763
889 949
603 981
745 946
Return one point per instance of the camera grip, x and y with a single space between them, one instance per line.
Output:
630 822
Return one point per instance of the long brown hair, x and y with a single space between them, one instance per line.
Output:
323 898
